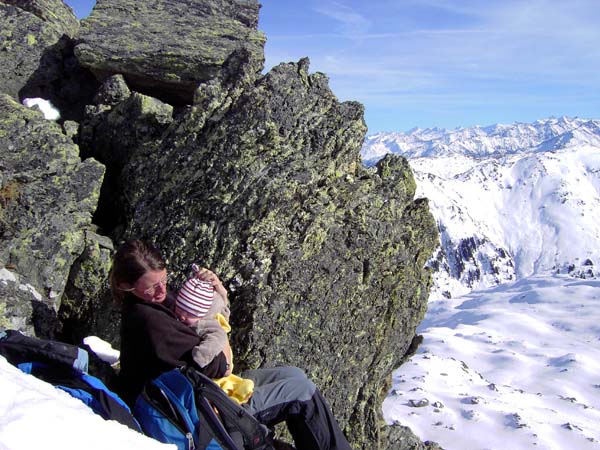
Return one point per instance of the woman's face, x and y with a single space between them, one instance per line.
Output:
152 286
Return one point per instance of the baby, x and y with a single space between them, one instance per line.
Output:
201 307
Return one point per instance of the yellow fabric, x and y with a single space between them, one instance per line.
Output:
223 322
237 388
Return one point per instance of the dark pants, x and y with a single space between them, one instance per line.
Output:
286 394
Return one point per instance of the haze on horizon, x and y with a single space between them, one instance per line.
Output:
444 63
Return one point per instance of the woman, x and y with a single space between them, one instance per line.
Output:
154 341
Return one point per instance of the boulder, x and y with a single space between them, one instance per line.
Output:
112 132
400 437
36 57
86 307
113 91
324 258
47 197
27 30
165 49
55 13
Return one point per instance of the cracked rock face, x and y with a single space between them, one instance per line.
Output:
28 31
47 197
324 258
54 12
36 55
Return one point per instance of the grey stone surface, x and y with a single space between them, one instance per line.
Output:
27 30
325 258
56 13
86 307
47 197
166 48
36 55
113 91
112 134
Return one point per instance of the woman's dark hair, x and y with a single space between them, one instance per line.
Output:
132 260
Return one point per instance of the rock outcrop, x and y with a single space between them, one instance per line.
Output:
166 48
47 197
36 55
28 29
57 15
117 126
258 177
324 257
86 306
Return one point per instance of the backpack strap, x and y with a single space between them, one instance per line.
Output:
217 427
231 416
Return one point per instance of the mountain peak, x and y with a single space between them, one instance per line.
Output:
550 134
510 200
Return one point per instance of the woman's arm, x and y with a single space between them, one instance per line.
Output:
162 342
217 368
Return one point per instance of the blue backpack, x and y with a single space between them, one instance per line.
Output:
65 367
186 408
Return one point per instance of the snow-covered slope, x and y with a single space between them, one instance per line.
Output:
510 336
36 415
512 367
510 200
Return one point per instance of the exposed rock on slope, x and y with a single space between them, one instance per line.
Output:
86 306
259 178
118 126
36 57
47 197
55 13
166 48
28 29
324 257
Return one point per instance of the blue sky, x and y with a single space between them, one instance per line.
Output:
446 63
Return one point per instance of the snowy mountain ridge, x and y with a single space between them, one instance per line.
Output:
511 201
479 142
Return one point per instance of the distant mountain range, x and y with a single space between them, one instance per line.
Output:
510 200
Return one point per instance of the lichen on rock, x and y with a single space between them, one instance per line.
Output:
36 55
324 257
53 197
165 48
27 30
112 131
86 307
256 176
55 13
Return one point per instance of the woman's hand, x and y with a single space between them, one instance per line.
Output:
205 274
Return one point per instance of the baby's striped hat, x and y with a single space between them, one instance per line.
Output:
196 297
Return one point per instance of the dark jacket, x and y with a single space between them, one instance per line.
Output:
154 341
